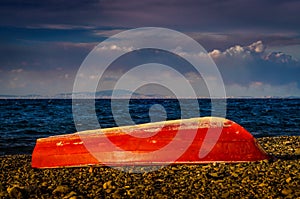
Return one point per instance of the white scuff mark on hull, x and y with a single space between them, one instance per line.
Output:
78 143
59 143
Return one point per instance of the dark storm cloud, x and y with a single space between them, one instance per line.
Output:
32 12
240 22
273 22
190 14
13 35
43 56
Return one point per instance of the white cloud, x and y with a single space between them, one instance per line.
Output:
236 50
60 27
107 33
208 36
215 53
253 71
19 70
279 57
240 51
254 50
81 45
257 47
110 48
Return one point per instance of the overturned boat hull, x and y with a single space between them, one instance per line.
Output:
186 141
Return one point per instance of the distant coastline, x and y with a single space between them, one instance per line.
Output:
126 94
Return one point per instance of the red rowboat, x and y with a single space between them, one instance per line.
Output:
186 141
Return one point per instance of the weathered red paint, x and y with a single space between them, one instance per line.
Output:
235 144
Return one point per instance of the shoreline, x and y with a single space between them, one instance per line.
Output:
275 178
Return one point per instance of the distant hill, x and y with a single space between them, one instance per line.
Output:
33 96
8 96
106 94
118 93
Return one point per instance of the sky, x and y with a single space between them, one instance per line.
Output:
255 44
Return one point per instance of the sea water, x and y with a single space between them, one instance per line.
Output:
22 121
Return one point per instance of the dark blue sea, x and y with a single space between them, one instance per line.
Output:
22 121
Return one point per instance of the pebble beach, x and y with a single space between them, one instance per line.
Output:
278 177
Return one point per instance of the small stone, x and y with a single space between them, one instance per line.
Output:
117 194
69 195
44 184
196 185
61 189
107 185
16 192
287 143
215 175
225 195
297 151
266 161
108 190
288 180
1 187
286 191
262 185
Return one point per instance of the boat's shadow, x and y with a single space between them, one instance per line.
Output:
287 157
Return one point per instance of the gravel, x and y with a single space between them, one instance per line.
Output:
275 178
